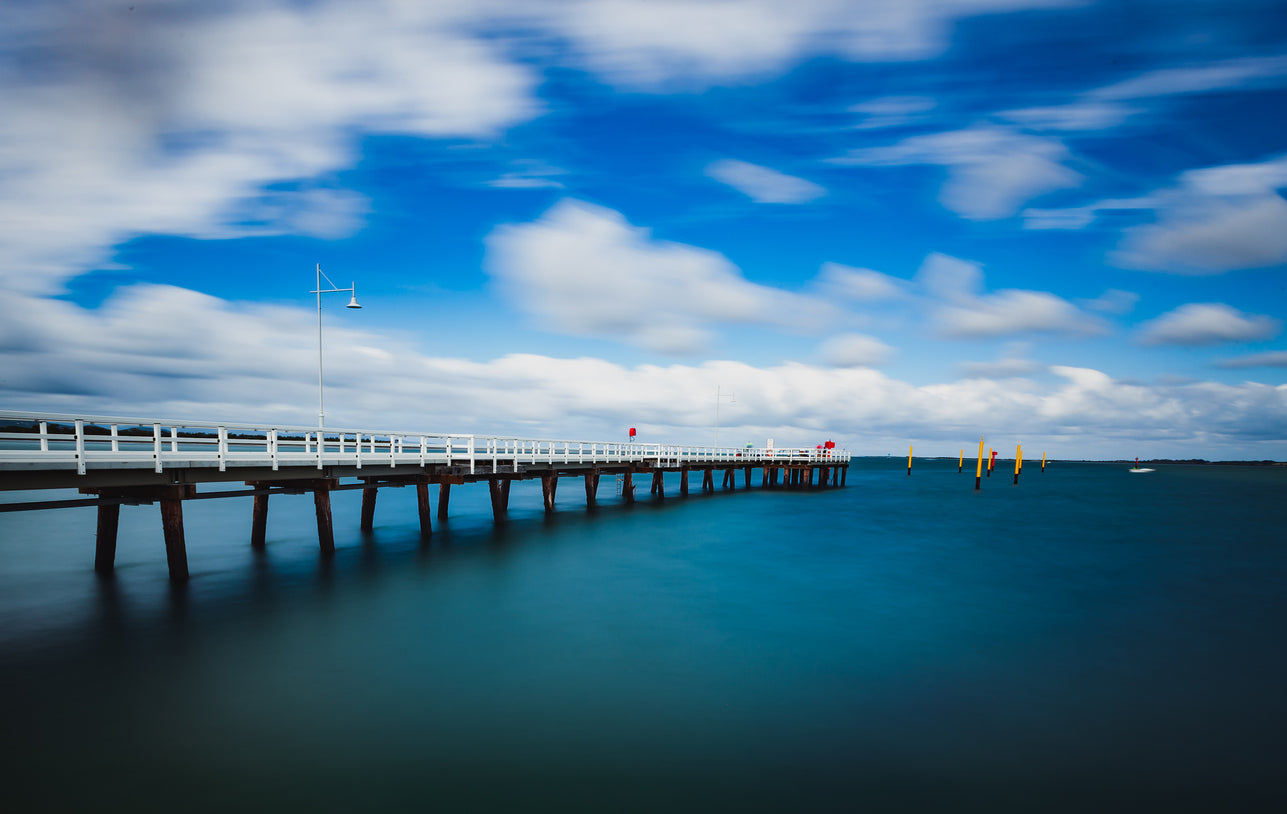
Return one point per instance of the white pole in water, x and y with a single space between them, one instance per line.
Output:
353 303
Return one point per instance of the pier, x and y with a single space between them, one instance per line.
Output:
116 461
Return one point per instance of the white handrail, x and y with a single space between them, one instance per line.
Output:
106 441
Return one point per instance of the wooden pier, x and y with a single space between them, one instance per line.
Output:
129 461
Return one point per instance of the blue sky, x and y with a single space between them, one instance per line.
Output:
1048 222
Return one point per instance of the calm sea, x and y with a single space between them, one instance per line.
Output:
1089 640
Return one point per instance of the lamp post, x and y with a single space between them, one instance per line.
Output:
353 303
718 398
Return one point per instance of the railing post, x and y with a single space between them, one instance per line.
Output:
424 450
80 447
44 436
223 448
272 447
116 440
319 465
156 445
471 454
357 447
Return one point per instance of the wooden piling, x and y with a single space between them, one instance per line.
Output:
708 479
176 551
422 508
591 487
368 504
549 485
259 522
729 480
628 488
844 474
444 498
683 481
823 472
109 518
499 503
659 484
746 477
325 527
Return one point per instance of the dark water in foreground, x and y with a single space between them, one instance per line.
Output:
1090 640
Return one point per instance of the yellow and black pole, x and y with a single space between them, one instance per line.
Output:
960 465
1043 462
909 460
1018 463
978 468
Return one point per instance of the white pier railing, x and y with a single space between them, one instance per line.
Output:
83 442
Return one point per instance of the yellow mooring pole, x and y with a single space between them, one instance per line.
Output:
978 468
1043 462
1018 462
909 460
960 465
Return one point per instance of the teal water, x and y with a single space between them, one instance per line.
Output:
1088 640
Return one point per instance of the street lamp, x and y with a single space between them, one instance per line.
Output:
353 303
718 398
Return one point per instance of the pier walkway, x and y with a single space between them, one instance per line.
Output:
117 461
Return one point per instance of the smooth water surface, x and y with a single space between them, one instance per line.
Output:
1088 640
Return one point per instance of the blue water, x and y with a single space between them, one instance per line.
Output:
1089 640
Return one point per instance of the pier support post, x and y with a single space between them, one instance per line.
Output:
844 474
549 485
746 477
811 477
708 480
683 481
325 527
729 481
444 497
591 487
500 498
176 551
823 472
628 488
422 507
109 518
259 522
659 484
764 477
368 504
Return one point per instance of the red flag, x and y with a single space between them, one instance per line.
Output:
632 432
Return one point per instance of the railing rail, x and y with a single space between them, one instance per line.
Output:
86 441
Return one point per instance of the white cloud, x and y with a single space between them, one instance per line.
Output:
176 122
1277 358
1002 368
657 44
583 270
962 311
1207 323
861 285
1214 220
854 350
891 111
992 171
166 352
762 184
1112 301
1233 73
1075 116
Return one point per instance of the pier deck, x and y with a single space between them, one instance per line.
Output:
118 461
